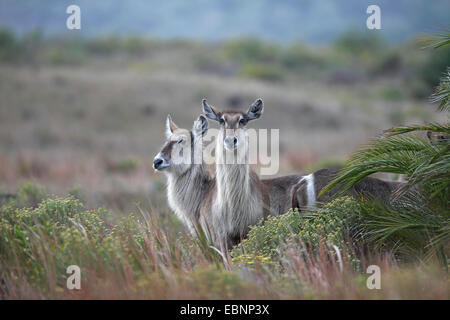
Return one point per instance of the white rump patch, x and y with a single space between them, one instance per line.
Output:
311 193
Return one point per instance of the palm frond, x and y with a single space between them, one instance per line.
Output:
417 222
433 127
389 154
442 93
408 229
439 39
434 173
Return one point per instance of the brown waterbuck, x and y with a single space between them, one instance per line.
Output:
188 178
305 194
240 199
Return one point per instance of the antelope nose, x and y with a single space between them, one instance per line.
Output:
157 163
231 142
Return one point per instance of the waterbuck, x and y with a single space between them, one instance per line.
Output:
188 178
305 194
240 199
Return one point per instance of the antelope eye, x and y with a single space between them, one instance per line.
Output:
242 122
221 121
180 141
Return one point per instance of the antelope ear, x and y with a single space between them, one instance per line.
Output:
255 110
200 126
170 126
210 112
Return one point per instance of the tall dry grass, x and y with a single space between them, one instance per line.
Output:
144 257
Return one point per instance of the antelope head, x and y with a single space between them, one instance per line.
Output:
233 134
182 148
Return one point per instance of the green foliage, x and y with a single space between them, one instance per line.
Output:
61 232
434 66
391 94
418 221
256 59
298 57
114 44
352 57
407 230
436 62
333 224
30 195
135 259
352 225
265 238
402 153
76 192
64 52
442 93
268 72
38 244
126 165
250 49
440 39
9 46
360 44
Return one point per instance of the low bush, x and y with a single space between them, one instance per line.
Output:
332 225
9 46
267 72
30 195
61 232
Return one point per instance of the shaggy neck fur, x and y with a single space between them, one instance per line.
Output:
185 192
238 201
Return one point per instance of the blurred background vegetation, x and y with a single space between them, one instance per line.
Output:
88 112
82 116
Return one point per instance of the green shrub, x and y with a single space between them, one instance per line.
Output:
359 44
126 165
389 93
407 230
71 51
9 46
104 45
434 67
61 232
298 57
76 192
268 72
333 224
418 223
442 92
249 49
30 195
265 238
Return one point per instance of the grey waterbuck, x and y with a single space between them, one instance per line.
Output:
188 180
240 199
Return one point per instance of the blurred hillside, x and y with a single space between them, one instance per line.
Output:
87 115
306 20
